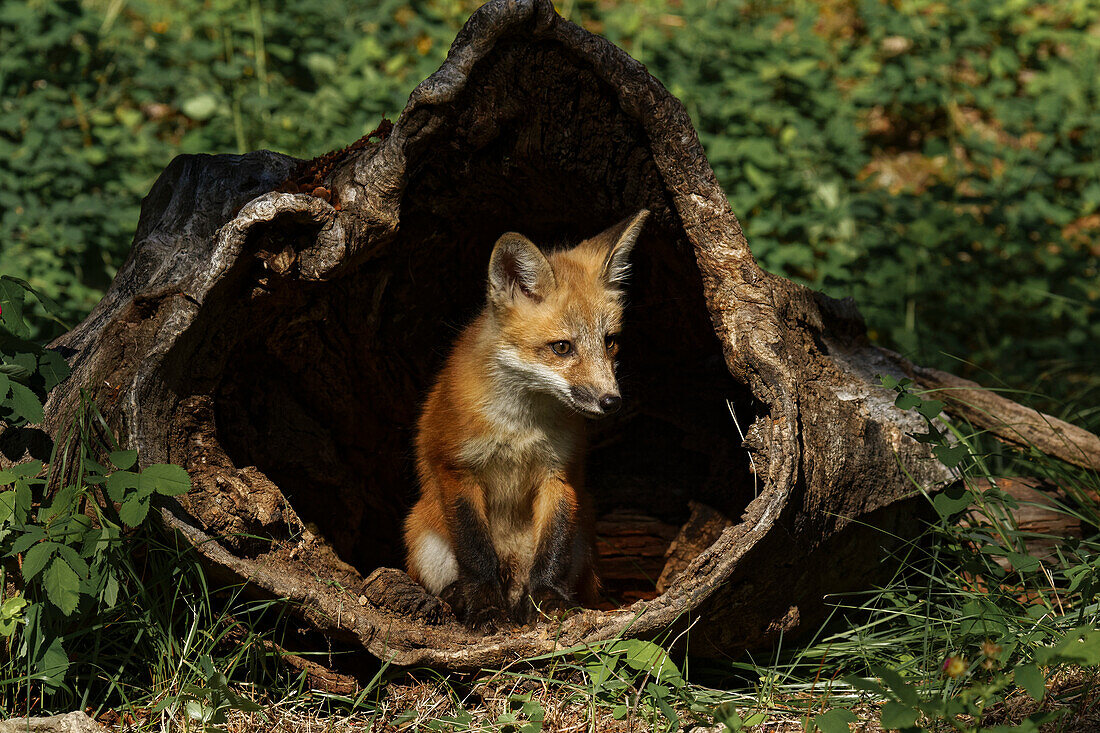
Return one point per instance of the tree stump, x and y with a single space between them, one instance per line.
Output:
278 322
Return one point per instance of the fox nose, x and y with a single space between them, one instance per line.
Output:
610 403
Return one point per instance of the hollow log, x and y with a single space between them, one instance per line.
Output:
278 322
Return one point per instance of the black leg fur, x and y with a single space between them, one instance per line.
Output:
477 597
563 554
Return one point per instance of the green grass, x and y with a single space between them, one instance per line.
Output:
177 648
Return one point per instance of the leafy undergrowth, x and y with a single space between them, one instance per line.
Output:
496 704
935 160
984 625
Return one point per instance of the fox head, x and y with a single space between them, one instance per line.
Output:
558 316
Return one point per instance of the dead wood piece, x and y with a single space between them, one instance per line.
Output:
74 722
701 530
1010 420
1045 527
631 553
318 676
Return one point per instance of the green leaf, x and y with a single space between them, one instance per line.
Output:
952 500
92 467
11 307
902 689
23 500
110 590
906 401
26 356
36 559
62 586
1030 678
835 720
25 403
11 613
18 372
48 303
321 64
759 180
24 541
930 408
645 656
52 663
1080 646
123 459
72 557
197 711
134 510
1046 716
168 479
951 455
898 715
533 711
13 606
1023 563
7 505
666 709
600 671
98 541
5 386
53 368
887 381
243 704
727 715
28 469
201 107
118 482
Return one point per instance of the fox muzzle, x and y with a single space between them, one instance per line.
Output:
593 404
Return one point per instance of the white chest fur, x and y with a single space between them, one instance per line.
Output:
524 452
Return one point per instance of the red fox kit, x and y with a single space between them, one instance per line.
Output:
503 521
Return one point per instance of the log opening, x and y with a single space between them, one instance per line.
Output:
322 384
319 383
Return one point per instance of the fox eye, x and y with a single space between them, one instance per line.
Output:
611 341
562 348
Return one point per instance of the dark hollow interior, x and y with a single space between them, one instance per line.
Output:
323 381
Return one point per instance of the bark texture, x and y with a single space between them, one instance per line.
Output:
278 322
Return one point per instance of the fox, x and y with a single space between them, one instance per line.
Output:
503 527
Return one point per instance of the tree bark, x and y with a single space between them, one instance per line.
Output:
278 321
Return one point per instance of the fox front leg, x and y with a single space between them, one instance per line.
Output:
477 596
562 563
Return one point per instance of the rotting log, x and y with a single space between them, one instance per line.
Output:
277 322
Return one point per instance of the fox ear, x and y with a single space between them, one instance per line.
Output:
517 264
619 241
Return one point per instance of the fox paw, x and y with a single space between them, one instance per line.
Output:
477 605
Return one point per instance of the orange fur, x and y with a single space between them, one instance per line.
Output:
501 431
